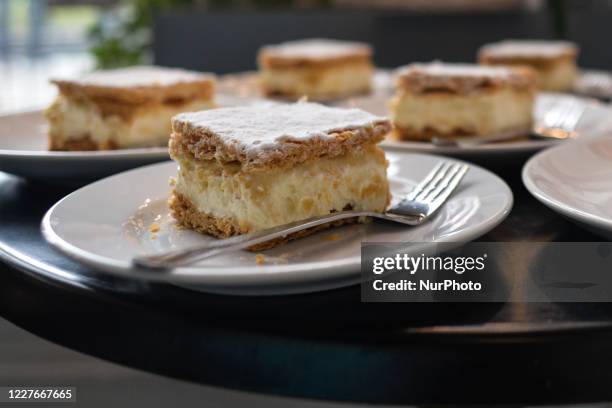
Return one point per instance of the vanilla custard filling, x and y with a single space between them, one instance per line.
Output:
480 114
262 199
150 126
315 81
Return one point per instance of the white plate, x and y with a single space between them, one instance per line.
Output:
595 84
23 151
575 179
105 224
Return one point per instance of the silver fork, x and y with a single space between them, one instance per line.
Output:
414 209
558 123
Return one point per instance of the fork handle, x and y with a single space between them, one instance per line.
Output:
182 257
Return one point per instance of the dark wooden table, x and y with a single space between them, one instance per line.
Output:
325 345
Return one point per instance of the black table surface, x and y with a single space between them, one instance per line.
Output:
325 345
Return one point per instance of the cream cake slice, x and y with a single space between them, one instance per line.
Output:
453 100
320 69
123 108
553 61
245 169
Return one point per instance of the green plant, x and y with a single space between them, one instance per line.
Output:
122 37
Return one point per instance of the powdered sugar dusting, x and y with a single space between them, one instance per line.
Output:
260 127
140 76
461 78
317 48
439 69
529 48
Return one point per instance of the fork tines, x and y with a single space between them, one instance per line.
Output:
439 183
564 115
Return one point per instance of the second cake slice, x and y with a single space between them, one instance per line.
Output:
124 108
452 100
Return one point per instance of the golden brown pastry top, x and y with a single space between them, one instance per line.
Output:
270 135
462 78
313 52
528 52
139 85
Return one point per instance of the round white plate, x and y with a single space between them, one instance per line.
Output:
23 151
107 223
594 84
575 179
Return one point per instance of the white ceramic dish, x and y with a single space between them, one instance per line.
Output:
575 179
23 151
594 84
105 224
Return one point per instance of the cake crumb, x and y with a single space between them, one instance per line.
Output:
260 259
172 181
153 228
144 205
332 237
285 256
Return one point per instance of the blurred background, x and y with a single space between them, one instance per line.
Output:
45 38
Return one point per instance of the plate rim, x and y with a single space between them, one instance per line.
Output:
489 148
291 274
554 204
144 152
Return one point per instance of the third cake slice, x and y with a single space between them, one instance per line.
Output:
317 68
554 61
245 169
452 100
